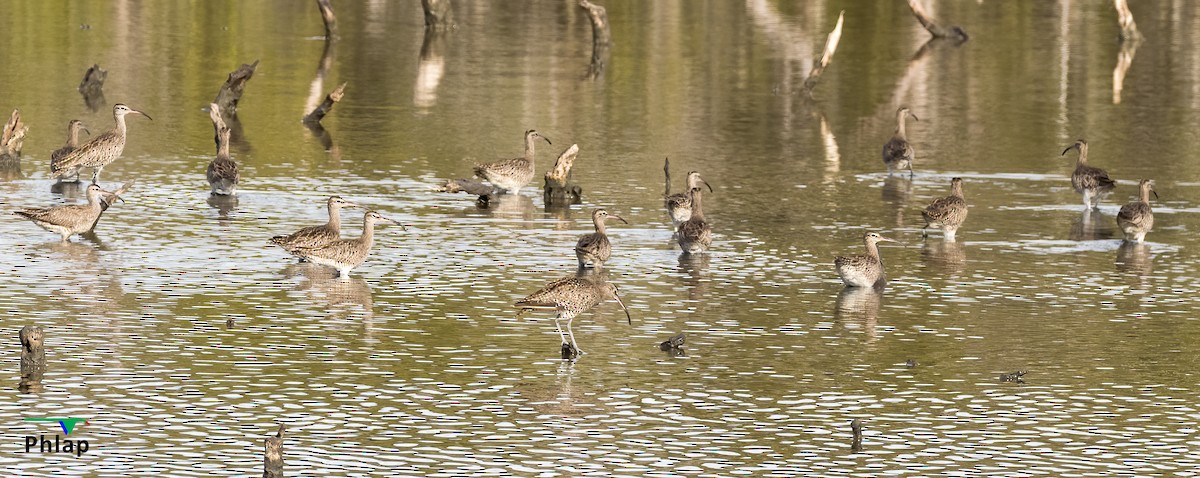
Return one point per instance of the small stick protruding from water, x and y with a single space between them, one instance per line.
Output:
1129 30
323 109
856 428
33 359
329 19
819 64
273 455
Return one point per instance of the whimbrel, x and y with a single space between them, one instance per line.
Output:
863 270
948 212
569 297
1092 183
100 150
594 249
346 254
316 236
222 171
679 205
73 129
1136 218
510 175
694 235
70 219
898 152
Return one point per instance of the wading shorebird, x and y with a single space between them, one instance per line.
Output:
73 129
898 152
346 254
222 172
863 270
1136 218
316 236
70 219
1092 183
569 297
100 150
695 235
948 213
679 205
593 250
510 175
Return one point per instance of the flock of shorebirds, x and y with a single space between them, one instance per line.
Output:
570 296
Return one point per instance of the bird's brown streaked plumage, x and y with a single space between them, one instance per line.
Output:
948 213
56 157
898 152
316 236
695 234
70 219
1093 183
222 171
593 250
346 254
569 297
1136 218
100 150
510 175
679 205
863 270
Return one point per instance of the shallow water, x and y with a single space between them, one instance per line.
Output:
184 338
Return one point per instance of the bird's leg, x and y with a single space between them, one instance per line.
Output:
925 231
96 175
572 335
910 171
558 326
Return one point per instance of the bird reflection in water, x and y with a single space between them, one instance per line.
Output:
223 204
1092 226
340 298
1134 258
694 275
431 67
947 257
897 190
511 206
858 309
90 281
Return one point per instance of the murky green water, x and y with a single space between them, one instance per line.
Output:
184 338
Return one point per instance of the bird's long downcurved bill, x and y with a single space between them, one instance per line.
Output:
910 113
626 309
614 216
112 194
393 221
131 110
888 239
547 139
1073 146
709 186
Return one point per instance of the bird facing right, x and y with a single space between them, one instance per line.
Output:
70 219
898 152
316 236
100 150
593 250
510 175
948 213
346 254
863 270
569 297
1093 183
1136 218
679 205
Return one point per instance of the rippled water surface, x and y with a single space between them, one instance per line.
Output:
184 338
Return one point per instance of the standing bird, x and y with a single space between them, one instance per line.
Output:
948 212
594 249
346 254
316 236
569 297
1092 183
864 270
898 152
510 175
70 219
100 151
694 235
679 205
1136 218
222 171
73 129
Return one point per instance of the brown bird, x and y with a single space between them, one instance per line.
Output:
593 250
898 152
863 270
694 235
569 297
1092 183
1136 218
70 219
73 129
222 172
316 236
510 175
679 205
346 254
100 150
948 212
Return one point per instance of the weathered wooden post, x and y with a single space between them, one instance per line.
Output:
1129 30
601 36
92 87
273 455
954 32
12 139
558 190
323 109
33 359
231 92
329 19
437 14
819 64
856 428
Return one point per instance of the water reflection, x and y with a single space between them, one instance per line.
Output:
1092 225
68 189
223 204
897 192
316 94
857 309
1134 258
431 66
10 168
338 298
1124 61
946 257
694 275
511 206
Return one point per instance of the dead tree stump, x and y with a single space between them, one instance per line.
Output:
931 25
92 87
437 14
601 36
856 439
329 19
323 109
558 190
12 139
231 92
33 359
273 455
1129 30
819 64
